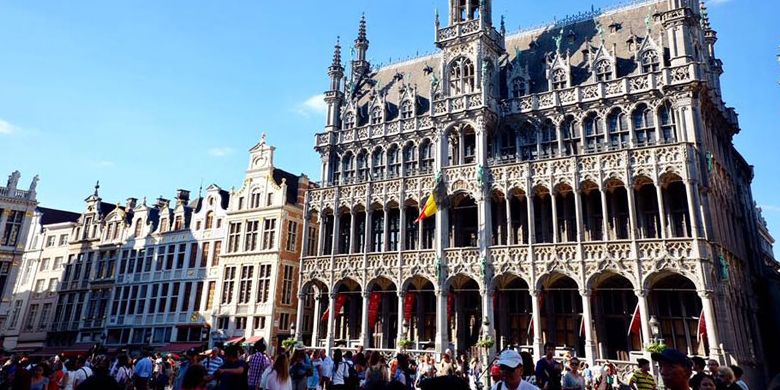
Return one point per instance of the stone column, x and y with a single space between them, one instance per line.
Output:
401 334
693 215
509 233
537 319
590 346
331 322
604 211
304 235
401 228
632 213
315 328
644 313
367 235
364 330
661 210
3 219
351 248
442 339
529 201
487 313
554 204
321 234
299 316
712 331
578 212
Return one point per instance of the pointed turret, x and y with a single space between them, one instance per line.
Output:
336 70
360 65
710 36
334 96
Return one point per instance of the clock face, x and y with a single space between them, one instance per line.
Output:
261 161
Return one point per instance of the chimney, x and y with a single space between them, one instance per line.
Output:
131 203
182 196
161 202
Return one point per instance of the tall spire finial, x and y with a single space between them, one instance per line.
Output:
503 26
337 53
705 19
362 30
97 187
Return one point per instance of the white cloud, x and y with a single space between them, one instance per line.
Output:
7 128
314 105
718 2
770 208
220 151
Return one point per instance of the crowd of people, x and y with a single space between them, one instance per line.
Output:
299 369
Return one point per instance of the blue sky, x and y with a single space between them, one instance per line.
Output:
151 96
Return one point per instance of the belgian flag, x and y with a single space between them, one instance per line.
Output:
436 200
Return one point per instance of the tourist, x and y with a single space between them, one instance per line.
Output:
548 370
704 382
573 380
326 369
299 370
676 368
123 373
377 369
232 373
511 365
313 381
190 359
712 366
587 374
212 363
725 380
340 371
738 372
403 373
279 376
57 376
258 362
67 379
38 381
446 366
641 379
82 372
99 379
194 378
142 372
495 373
698 365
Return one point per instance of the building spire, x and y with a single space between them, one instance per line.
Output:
360 65
705 19
337 54
97 187
362 29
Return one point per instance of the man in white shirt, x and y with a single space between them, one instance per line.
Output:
511 365
326 369
81 373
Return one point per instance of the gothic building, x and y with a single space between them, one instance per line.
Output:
16 210
585 172
170 274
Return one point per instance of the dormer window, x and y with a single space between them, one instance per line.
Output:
650 62
603 70
209 219
178 223
559 79
461 76
138 227
349 120
163 225
407 109
518 87
376 115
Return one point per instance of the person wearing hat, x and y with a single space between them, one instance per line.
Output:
510 364
676 368
642 379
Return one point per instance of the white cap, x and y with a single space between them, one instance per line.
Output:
510 358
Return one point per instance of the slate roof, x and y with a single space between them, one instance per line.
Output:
292 184
52 216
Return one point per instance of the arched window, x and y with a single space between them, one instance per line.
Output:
644 125
650 61
335 167
163 225
376 115
426 156
528 146
667 121
461 76
570 136
178 223
393 161
463 11
378 164
410 159
549 141
518 87
617 126
362 165
594 132
349 121
138 227
209 219
604 70
469 145
507 142
348 167
407 109
559 79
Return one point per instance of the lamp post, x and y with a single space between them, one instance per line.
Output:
655 329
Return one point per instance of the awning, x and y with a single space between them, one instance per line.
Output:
67 351
252 340
235 340
180 347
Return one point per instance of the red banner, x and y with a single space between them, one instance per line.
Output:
408 305
374 300
340 299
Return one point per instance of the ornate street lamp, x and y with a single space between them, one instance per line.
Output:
655 328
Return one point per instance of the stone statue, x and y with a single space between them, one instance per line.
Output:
439 268
599 29
34 183
558 38
13 179
483 266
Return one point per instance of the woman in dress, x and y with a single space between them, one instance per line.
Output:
39 382
573 380
279 377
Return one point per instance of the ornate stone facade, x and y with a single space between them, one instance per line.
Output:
589 173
